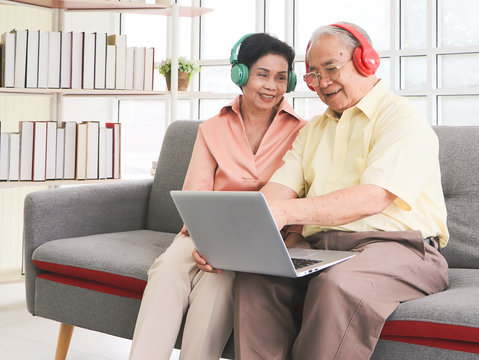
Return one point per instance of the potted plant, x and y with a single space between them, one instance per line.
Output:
186 69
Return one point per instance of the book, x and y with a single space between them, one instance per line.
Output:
43 49
31 76
60 153
70 152
77 60
101 153
87 150
4 155
65 59
100 61
51 151
139 68
109 153
54 59
110 67
92 150
149 67
26 150
81 151
14 161
21 39
129 67
116 149
8 60
119 41
88 79
39 150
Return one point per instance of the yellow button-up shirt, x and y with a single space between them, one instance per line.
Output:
384 141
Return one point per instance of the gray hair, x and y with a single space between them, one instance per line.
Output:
346 37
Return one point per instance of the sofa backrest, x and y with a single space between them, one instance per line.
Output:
459 160
170 172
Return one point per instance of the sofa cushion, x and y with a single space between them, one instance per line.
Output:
119 260
459 159
171 170
447 320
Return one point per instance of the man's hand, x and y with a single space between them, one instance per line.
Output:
277 195
278 212
202 264
296 240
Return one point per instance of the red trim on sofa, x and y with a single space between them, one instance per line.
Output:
90 285
115 280
444 336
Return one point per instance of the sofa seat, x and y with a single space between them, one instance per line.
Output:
443 320
97 262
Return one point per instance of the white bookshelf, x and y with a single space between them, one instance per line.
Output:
161 7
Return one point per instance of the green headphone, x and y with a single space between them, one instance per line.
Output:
240 72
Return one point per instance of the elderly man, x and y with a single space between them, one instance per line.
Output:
365 177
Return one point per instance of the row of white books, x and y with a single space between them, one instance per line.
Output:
47 150
74 60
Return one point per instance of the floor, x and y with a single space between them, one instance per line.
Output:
25 337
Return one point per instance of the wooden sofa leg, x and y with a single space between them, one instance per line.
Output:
63 343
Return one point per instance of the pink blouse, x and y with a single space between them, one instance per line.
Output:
222 158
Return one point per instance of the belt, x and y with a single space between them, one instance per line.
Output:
433 241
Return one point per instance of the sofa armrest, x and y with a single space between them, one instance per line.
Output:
81 211
85 210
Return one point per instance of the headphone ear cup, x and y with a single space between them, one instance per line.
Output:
239 74
371 60
366 62
292 80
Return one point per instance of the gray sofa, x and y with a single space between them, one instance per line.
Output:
88 248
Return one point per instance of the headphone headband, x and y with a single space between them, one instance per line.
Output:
365 58
234 54
355 32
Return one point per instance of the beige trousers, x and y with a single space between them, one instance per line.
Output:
344 306
174 286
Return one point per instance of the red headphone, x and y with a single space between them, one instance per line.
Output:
365 58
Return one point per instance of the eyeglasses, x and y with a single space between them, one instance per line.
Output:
329 73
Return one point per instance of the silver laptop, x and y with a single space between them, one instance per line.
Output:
235 230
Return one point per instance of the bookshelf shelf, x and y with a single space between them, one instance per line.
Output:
80 92
49 183
162 7
113 93
92 4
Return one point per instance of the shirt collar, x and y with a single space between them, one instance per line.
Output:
368 104
283 107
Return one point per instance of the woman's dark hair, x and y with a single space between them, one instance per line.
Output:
261 44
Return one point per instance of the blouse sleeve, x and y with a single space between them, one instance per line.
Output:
202 167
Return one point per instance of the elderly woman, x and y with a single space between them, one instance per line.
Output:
238 149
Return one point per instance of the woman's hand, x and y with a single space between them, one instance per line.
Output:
202 264
184 231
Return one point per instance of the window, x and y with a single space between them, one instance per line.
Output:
429 51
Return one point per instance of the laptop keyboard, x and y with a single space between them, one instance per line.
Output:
300 263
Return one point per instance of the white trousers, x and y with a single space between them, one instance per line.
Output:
175 285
